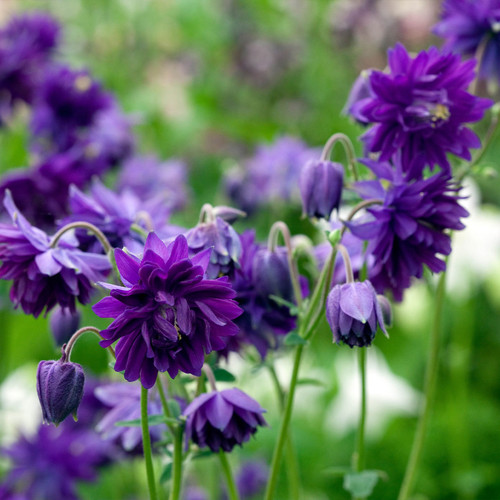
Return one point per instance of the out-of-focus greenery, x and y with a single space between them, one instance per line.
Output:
207 80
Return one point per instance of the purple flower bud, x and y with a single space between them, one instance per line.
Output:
321 187
354 313
60 389
63 323
222 419
271 274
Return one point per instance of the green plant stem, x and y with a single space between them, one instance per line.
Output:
146 445
292 467
177 466
228 474
283 432
429 389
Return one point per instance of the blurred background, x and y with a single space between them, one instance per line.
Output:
209 82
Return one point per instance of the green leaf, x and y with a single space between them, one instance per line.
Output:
361 484
166 473
293 338
294 310
174 407
222 375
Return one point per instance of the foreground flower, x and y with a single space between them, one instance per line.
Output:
59 385
421 107
221 420
410 230
168 315
44 276
354 314
467 25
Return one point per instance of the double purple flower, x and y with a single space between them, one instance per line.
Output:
167 315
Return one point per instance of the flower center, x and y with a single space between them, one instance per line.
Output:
440 113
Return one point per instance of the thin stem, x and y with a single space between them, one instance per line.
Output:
360 206
226 468
276 229
347 263
67 348
283 432
348 148
210 376
83 225
177 466
429 389
146 445
164 404
358 458
292 467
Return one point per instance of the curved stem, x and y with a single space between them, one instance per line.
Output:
348 148
67 348
283 432
83 225
210 376
360 206
272 242
146 445
177 466
429 389
226 467
347 263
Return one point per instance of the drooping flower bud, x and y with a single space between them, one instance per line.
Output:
60 389
321 187
63 323
354 313
221 420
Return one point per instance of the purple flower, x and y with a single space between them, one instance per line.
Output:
467 25
354 314
272 174
124 403
321 188
63 324
59 385
167 315
410 229
360 90
421 107
51 463
26 44
114 214
263 320
44 276
224 241
221 420
251 479
165 180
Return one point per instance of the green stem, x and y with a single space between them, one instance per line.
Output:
83 225
429 389
164 404
358 459
177 466
146 445
283 432
292 467
226 468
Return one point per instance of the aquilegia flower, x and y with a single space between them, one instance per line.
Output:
421 107
410 229
221 420
167 315
44 276
467 25
354 314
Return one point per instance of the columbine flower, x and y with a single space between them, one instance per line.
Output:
354 314
59 385
251 479
63 324
167 315
410 229
221 420
44 276
466 25
421 107
123 401
320 185
224 241
26 44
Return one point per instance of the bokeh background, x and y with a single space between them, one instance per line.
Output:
209 81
